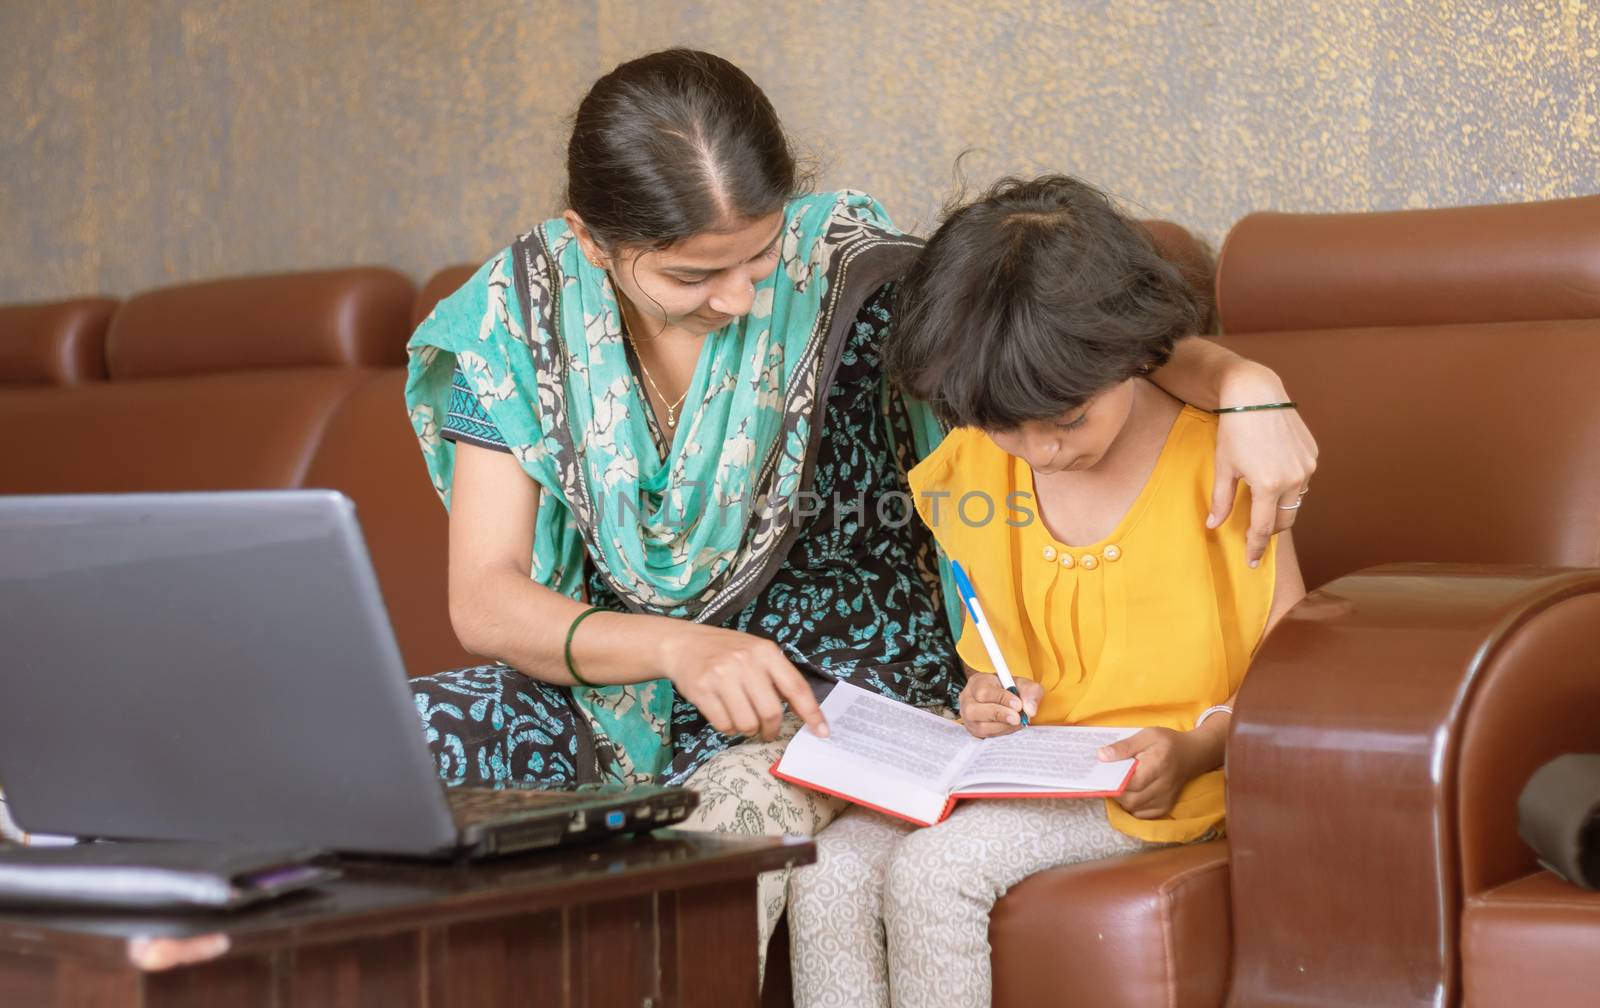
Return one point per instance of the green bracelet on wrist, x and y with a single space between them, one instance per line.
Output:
572 670
1252 409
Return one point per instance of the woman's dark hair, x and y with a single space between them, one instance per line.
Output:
1029 301
673 144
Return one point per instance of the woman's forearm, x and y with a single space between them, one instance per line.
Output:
740 682
511 619
1208 376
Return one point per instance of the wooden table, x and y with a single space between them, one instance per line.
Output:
664 920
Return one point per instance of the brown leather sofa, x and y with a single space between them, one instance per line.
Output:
1445 360
256 382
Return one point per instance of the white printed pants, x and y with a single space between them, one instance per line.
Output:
895 914
738 794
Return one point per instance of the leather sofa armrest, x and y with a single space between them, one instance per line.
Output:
1377 747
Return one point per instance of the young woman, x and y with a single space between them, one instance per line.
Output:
634 413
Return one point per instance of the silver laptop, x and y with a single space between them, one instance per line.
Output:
219 666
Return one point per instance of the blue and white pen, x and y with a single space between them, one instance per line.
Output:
970 599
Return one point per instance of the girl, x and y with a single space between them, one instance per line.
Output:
1075 491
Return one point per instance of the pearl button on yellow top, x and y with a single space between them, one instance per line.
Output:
1144 628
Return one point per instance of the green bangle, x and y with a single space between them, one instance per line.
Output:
571 669
1252 409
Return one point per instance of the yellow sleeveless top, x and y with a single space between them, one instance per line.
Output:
1145 628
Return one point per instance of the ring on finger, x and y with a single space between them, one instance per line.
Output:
1291 507
1305 489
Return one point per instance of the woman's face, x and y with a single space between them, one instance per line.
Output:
1074 441
697 285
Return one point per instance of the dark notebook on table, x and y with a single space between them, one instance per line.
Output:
220 666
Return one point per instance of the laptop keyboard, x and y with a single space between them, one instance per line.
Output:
483 805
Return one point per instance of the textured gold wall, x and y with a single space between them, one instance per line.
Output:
148 143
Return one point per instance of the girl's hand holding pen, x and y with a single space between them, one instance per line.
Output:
987 708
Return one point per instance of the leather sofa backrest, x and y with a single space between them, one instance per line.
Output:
212 432
59 343
331 318
1443 436
1513 262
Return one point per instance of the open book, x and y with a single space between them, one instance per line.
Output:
913 764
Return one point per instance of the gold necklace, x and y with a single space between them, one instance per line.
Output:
672 408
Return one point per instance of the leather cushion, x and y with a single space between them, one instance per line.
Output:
1461 443
61 343
343 318
1144 931
1532 941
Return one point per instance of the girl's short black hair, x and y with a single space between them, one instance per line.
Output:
672 144
1031 300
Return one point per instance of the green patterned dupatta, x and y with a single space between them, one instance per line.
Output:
695 532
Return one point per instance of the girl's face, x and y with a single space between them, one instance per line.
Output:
697 285
1076 440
